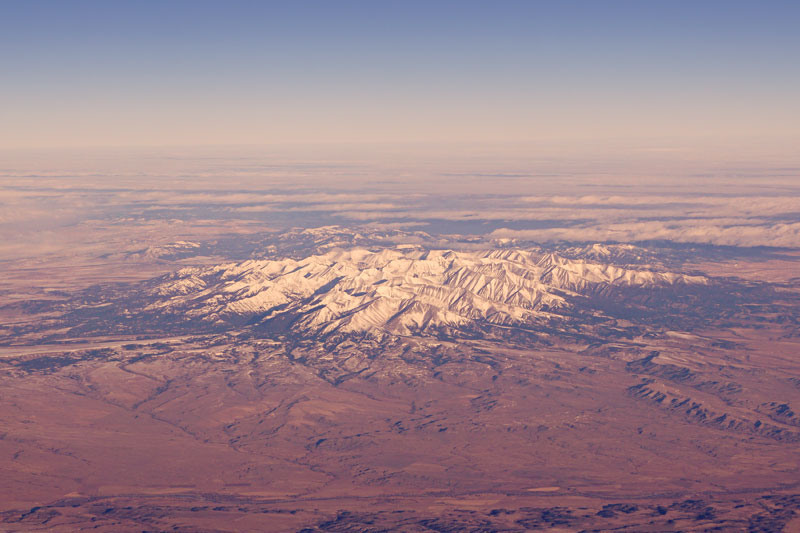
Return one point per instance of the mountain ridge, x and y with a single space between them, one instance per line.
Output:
399 290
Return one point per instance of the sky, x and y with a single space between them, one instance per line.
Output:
656 74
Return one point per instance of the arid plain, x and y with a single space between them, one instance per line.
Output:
217 373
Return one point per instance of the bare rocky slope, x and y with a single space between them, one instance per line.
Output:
400 290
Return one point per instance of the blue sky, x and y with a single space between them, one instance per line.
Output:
174 72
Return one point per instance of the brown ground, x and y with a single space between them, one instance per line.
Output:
228 434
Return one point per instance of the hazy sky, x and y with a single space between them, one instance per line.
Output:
661 73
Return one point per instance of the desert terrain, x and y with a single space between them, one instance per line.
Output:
129 422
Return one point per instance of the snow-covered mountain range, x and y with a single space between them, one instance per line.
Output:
400 290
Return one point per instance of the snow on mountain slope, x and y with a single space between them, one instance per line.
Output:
399 290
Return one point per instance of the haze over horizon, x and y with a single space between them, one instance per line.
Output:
658 76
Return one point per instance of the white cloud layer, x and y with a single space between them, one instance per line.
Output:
685 231
762 211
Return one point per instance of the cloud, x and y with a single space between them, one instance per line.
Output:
319 207
685 231
760 210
